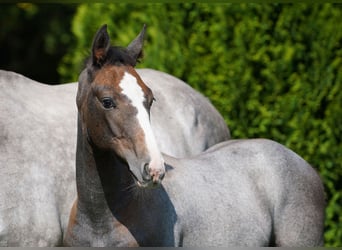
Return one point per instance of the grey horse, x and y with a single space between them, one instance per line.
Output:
38 144
238 193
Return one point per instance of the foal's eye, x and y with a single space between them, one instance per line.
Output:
108 103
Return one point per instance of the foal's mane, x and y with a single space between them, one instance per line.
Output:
116 55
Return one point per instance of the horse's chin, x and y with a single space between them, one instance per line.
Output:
151 184
148 184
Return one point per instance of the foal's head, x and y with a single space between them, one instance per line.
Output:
114 107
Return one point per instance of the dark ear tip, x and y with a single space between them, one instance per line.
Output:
103 27
144 28
102 31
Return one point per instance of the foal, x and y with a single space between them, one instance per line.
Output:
237 193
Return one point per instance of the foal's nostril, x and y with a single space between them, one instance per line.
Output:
146 167
146 172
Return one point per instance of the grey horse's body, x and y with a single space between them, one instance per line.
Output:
246 193
38 143
37 152
239 193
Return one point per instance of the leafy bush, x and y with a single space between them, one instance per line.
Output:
272 70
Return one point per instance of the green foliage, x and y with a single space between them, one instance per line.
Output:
272 70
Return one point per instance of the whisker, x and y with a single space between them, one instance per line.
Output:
129 187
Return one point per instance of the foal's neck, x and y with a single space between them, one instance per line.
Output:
102 180
109 207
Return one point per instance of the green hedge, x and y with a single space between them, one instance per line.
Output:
272 70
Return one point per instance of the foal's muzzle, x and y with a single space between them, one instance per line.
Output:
151 177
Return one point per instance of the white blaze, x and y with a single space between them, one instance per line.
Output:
135 94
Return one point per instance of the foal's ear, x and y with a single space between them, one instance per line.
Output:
134 49
101 45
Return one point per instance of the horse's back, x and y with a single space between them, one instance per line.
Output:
37 160
184 121
248 193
